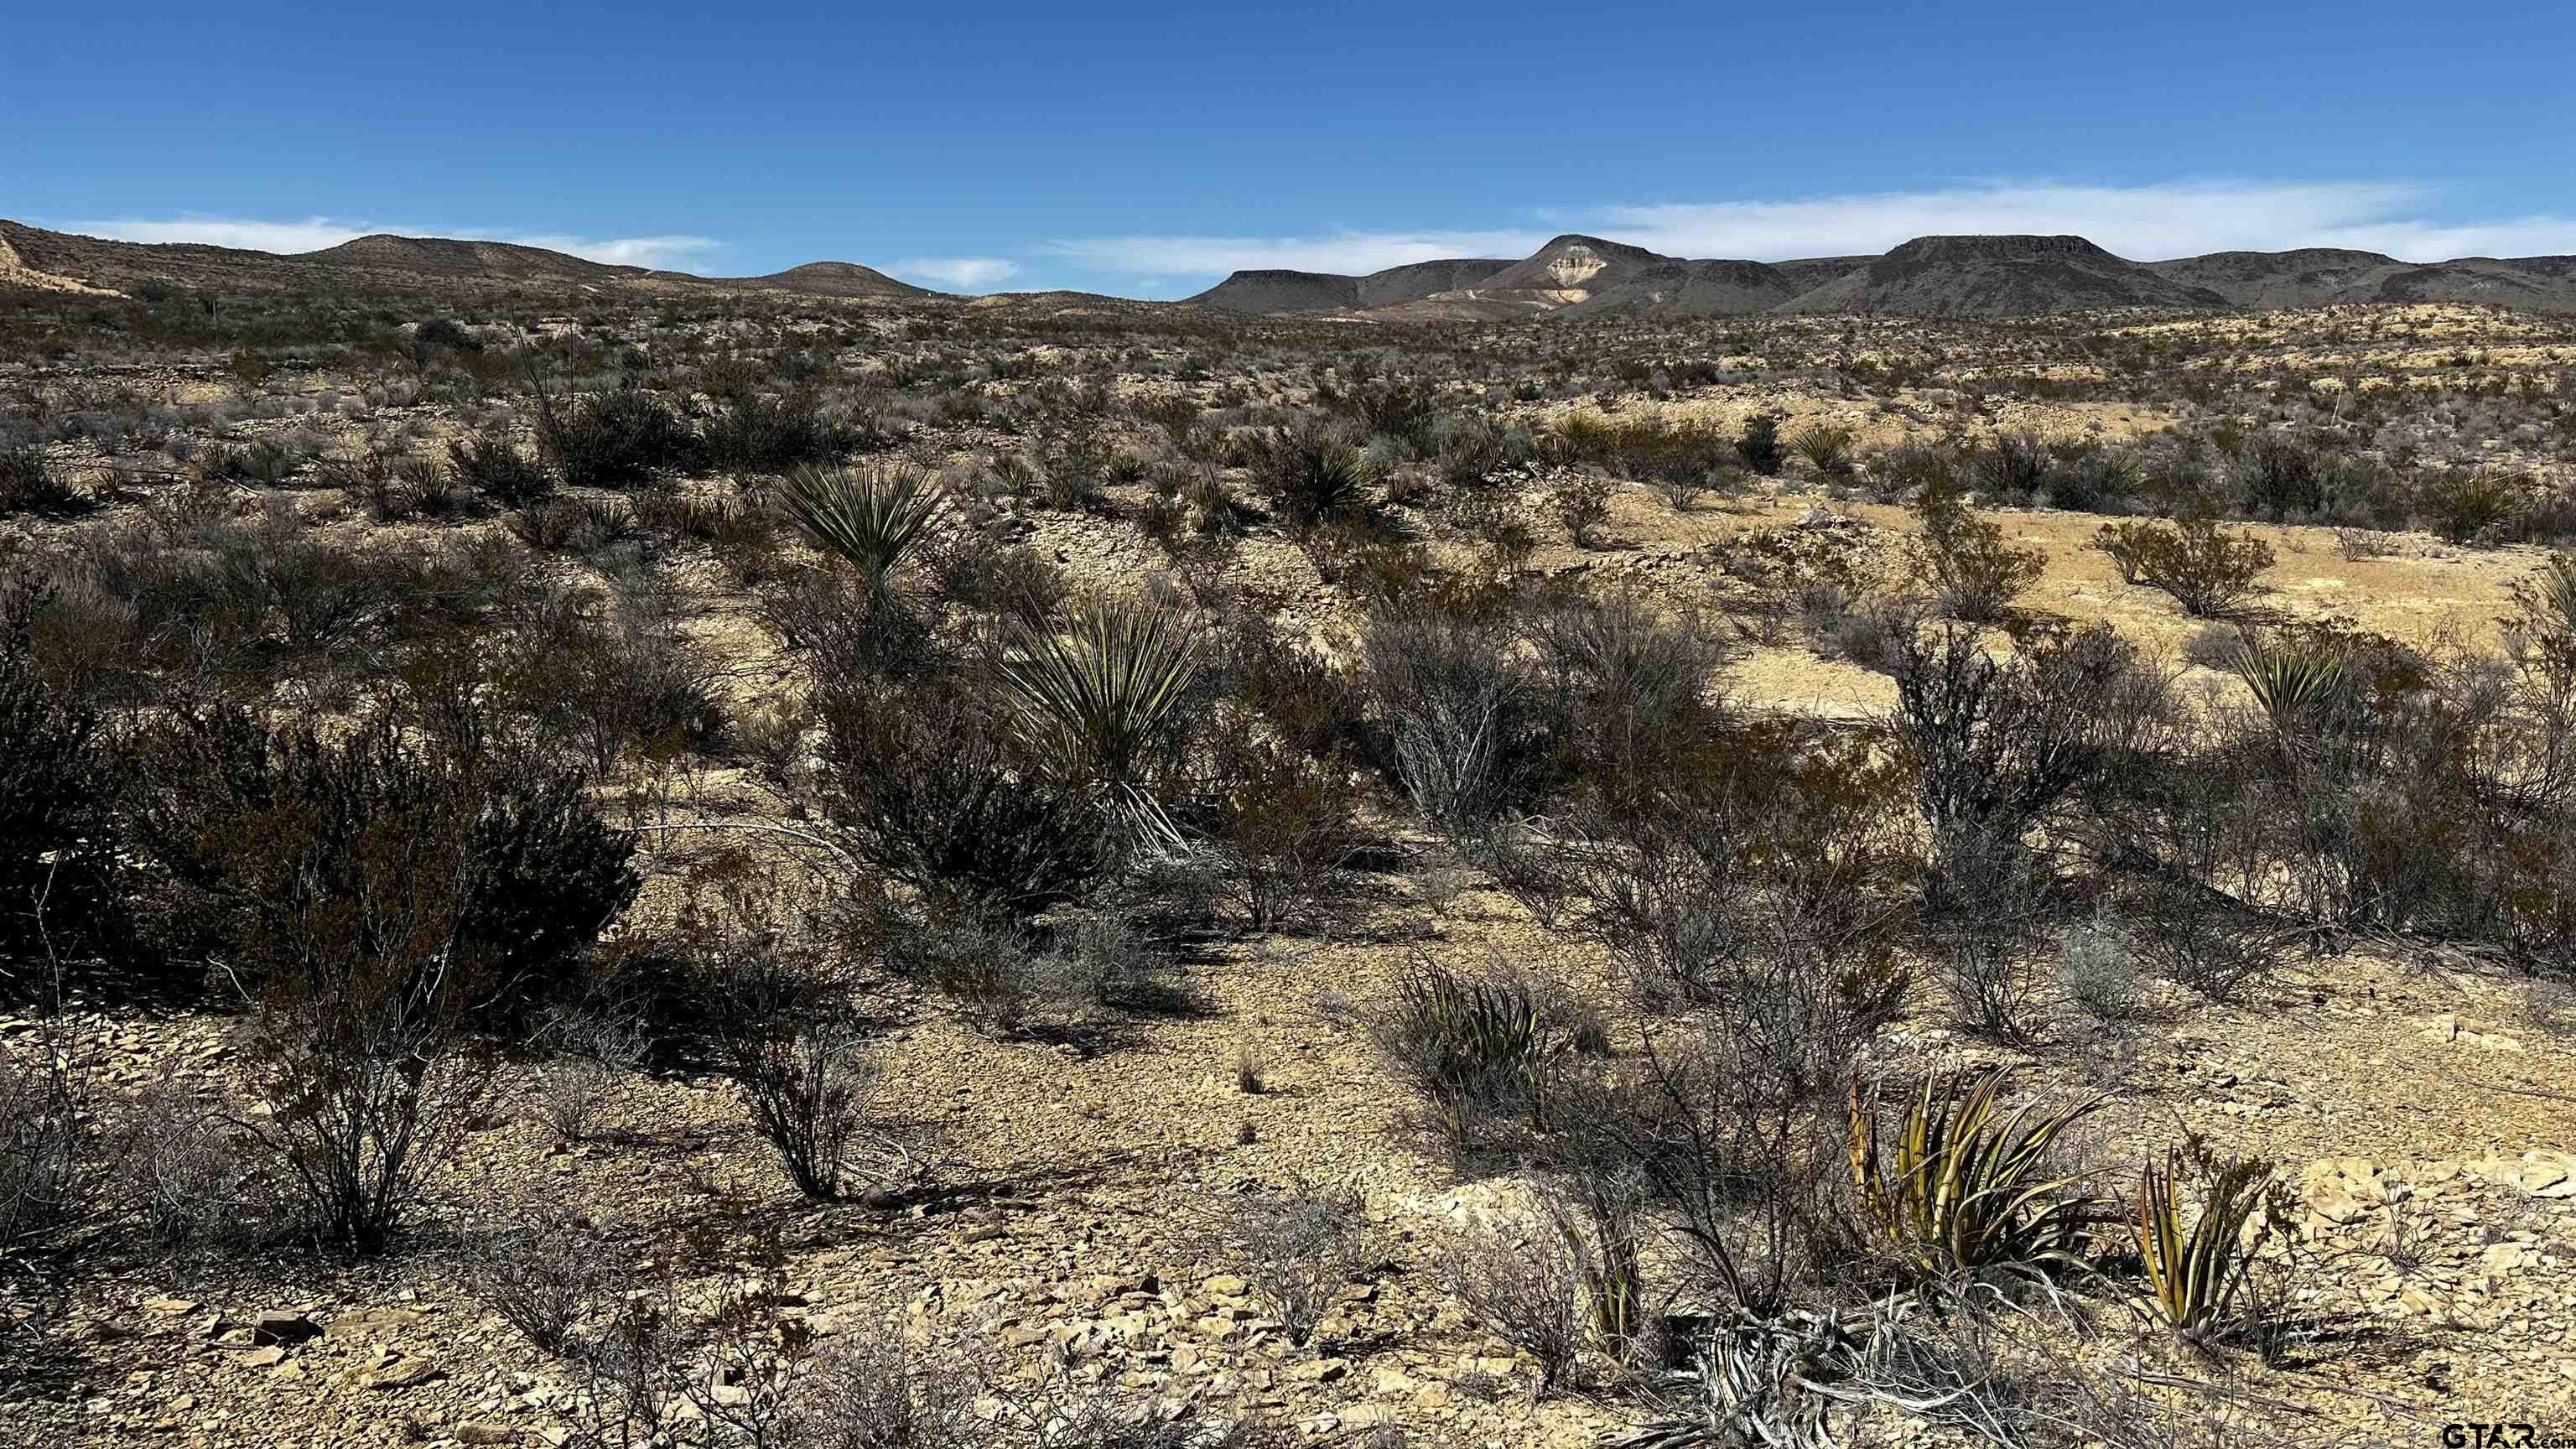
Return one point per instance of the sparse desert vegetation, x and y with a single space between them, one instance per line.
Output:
732 868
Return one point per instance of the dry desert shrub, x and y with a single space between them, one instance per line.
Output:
591 1053
1300 1248
2210 573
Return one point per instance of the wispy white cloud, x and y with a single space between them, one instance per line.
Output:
958 274
669 253
2149 222
2427 241
1347 251
309 235
2172 219
316 232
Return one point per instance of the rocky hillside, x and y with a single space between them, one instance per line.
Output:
1586 274
1573 275
2317 276
1281 290
1992 275
478 260
1982 275
834 279
391 264
2307 277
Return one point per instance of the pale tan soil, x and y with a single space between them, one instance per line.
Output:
15 272
1084 1184
2409 1099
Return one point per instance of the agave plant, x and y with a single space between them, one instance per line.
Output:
2294 681
1825 446
870 516
1963 1187
1091 694
2195 1275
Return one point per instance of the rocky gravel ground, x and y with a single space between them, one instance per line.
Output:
1079 1218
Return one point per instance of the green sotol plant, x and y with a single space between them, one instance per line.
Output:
1315 475
1475 1043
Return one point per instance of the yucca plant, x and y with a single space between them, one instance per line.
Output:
2463 504
1314 475
1473 1043
2195 1275
2294 681
2553 595
1583 434
870 516
1091 694
1825 446
1964 1187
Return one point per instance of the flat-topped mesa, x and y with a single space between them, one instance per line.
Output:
1281 289
1278 289
2000 274
2002 246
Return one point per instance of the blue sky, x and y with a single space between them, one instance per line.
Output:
1147 151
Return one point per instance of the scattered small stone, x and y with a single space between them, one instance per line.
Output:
278 1327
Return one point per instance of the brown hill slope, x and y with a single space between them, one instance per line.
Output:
2306 277
832 279
2000 274
1572 275
1578 275
440 256
399 264
2317 276
120 266
2542 283
1589 275
1281 290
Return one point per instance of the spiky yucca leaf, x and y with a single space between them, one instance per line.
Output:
2556 584
869 516
2195 1275
1474 1041
1600 1227
1964 1187
1314 474
1768 1382
2294 681
1090 694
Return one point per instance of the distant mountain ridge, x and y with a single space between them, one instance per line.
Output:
1579 276
394 263
1999 275
1572 275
